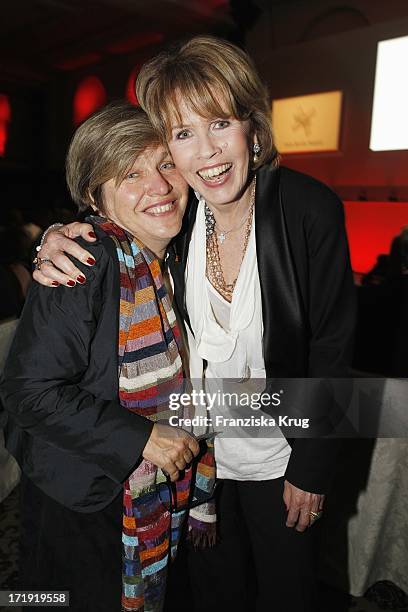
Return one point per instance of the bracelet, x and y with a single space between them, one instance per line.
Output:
49 229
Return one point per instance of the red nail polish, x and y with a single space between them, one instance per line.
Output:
91 261
81 279
92 234
71 283
55 283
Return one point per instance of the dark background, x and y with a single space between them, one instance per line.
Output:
47 47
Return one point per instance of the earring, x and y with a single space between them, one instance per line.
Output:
256 148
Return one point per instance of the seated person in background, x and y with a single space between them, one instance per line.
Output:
15 277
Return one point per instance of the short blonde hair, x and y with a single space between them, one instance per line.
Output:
105 147
215 79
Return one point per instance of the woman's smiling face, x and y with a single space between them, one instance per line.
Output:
212 154
150 200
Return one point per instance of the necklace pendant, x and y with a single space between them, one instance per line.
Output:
221 237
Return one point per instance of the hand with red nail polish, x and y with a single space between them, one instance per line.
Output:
60 243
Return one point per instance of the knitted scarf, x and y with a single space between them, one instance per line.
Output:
150 369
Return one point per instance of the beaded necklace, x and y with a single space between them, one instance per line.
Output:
214 268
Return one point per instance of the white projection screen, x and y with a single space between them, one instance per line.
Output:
389 124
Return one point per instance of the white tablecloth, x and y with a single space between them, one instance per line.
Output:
365 527
9 470
378 533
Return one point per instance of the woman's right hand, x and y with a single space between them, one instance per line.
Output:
58 242
170 448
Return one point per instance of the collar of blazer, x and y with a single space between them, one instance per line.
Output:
284 326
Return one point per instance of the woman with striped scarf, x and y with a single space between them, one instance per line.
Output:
105 485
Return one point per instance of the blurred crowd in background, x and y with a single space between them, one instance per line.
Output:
20 231
381 345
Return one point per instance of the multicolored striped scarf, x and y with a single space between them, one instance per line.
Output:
150 369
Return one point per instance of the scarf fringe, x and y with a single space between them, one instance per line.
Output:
203 538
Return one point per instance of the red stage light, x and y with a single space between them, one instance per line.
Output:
89 96
5 118
371 226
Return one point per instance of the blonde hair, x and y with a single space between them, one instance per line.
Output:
105 147
215 79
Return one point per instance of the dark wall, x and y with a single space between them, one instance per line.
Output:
113 73
32 171
300 47
23 168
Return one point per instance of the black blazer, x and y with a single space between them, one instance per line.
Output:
66 426
308 298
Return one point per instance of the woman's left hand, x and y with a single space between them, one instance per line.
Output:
303 507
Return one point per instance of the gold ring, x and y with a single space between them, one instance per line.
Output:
315 515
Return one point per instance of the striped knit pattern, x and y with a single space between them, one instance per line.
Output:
150 369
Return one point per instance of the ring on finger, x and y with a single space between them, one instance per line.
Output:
39 261
314 516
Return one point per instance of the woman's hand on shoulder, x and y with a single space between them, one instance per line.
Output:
59 269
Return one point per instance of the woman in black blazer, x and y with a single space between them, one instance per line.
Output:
80 418
263 283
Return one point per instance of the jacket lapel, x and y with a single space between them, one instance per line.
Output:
283 319
178 253
284 323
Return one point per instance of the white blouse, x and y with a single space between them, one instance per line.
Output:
229 337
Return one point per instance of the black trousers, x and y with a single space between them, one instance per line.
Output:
259 563
71 551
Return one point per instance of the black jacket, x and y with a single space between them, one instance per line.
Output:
308 299
66 427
